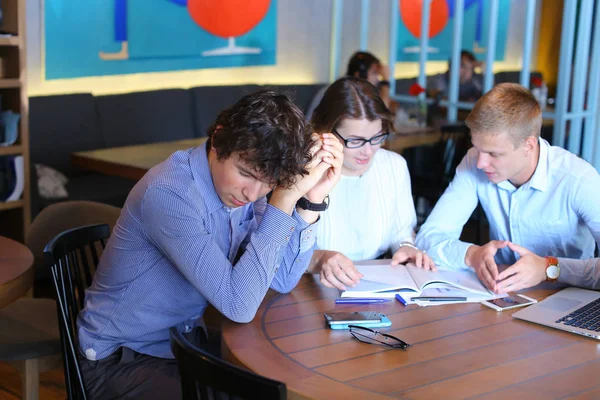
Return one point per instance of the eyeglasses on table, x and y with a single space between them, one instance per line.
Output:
370 336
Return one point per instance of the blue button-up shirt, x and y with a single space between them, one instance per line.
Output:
175 248
555 213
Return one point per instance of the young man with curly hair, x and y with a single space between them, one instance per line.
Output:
198 229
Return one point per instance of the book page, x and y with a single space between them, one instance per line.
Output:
381 279
460 278
382 271
376 290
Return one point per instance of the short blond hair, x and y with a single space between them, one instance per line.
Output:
510 108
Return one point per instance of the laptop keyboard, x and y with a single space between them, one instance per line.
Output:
586 317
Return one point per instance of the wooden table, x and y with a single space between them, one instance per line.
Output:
16 272
130 162
407 137
458 351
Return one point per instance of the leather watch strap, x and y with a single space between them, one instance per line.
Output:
305 204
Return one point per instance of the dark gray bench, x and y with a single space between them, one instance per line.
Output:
63 124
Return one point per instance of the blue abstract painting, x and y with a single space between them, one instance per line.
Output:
476 20
112 37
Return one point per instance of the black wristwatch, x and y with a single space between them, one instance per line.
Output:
305 204
384 83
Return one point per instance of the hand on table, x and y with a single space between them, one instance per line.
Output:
528 271
335 270
481 259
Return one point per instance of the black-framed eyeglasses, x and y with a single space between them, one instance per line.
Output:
355 143
370 336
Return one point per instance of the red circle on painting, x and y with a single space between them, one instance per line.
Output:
410 12
226 18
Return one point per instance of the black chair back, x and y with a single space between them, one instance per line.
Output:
455 141
73 259
433 167
204 376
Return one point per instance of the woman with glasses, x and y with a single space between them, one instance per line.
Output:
371 212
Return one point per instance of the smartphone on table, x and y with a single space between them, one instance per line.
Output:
509 302
368 319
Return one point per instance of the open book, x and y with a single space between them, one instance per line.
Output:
381 279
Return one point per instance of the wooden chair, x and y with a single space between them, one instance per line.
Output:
73 259
29 340
204 376
29 328
58 218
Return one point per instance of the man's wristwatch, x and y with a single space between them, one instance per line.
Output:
305 204
552 269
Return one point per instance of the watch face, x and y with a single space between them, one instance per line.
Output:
552 271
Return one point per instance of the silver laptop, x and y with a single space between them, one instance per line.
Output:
573 310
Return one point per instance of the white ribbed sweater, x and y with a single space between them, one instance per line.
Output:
370 214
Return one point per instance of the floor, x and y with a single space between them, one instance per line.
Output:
52 384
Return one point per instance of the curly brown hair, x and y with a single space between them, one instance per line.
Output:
269 133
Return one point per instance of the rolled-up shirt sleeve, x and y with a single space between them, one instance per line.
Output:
582 273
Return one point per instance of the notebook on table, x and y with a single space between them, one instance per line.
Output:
573 310
381 279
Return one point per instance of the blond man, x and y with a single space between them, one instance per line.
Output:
541 201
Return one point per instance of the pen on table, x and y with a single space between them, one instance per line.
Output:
360 301
427 298
401 299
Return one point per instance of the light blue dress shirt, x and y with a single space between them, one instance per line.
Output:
175 248
556 213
